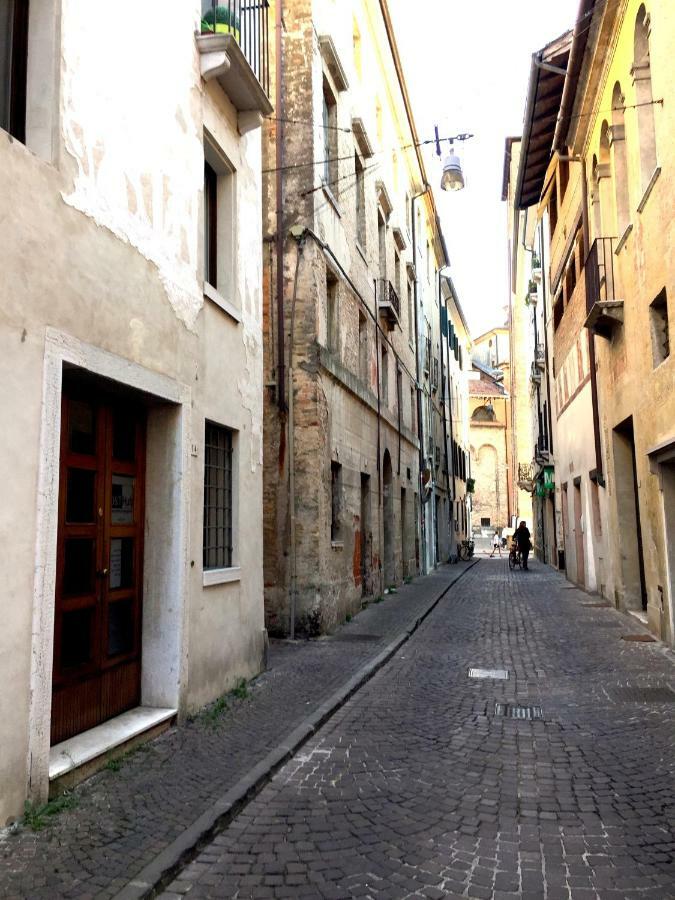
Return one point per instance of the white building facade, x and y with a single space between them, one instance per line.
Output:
131 388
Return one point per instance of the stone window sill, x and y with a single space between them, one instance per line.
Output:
221 576
337 545
226 305
648 189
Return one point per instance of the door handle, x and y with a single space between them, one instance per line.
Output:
102 573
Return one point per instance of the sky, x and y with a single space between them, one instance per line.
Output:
467 67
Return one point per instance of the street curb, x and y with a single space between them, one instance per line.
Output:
153 877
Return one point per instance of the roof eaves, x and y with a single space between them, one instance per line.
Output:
541 112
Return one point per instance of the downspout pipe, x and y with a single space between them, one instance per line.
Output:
279 107
291 444
445 374
548 379
420 430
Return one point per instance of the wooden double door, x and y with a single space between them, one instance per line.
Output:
98 602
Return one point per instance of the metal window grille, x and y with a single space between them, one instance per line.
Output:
217 497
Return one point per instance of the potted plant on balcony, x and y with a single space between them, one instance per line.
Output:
220 20
470 485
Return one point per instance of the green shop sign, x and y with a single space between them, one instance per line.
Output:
548 478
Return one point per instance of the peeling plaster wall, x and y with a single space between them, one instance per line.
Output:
131 129
103 244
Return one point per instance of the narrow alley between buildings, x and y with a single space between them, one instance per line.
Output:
555 781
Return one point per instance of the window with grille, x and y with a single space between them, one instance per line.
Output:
217 497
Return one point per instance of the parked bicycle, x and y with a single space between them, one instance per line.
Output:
465 549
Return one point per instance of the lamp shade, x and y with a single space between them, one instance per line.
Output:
453 177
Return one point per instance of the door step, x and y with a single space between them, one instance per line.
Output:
84 754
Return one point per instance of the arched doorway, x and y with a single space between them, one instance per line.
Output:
388 562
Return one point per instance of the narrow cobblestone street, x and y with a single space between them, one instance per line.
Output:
418 788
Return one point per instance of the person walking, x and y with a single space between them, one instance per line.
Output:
496 545
522 538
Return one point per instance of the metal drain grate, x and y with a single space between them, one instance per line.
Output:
641 694
495 674
639 638
513 711
356 638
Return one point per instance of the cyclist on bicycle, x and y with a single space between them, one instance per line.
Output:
522 539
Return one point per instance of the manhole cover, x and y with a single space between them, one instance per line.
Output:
639 638
642 694
496 674
513 711
358 638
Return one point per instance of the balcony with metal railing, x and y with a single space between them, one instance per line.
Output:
604 309
541 449
540 356
234 50
388 303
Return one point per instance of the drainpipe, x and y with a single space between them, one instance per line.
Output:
420 430
380 534
445 422
291 442
548 381
281 373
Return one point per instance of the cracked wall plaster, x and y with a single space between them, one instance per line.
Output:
138 167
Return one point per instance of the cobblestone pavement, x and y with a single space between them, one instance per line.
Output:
123 819
417 788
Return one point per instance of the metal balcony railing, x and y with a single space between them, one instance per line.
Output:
248 23
388 302
599 272
539 353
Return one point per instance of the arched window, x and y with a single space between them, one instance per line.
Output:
605 189
595 198
619 162
642 79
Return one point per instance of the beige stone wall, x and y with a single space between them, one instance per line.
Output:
340 414
630 384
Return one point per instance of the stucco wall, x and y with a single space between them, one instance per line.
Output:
629 382
102 242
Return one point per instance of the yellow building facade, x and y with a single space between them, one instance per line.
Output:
621 125
600 161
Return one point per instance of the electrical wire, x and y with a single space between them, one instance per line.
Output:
336 181
463 136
